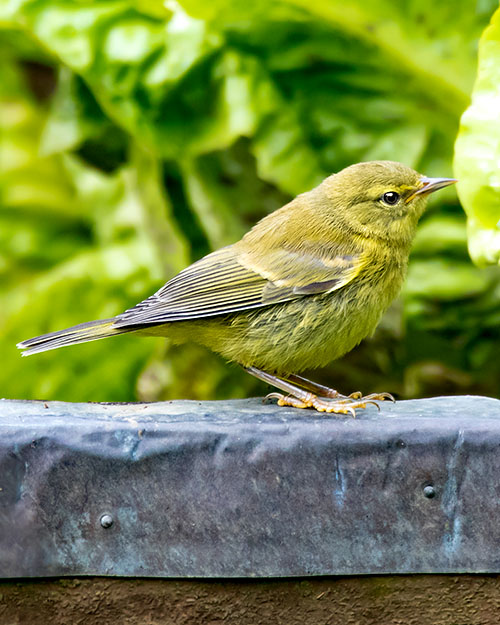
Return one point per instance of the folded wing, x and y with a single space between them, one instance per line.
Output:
228 281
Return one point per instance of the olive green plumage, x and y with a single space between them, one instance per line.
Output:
303 287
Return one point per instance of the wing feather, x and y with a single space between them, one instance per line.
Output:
226 282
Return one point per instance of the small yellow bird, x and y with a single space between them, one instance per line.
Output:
303 287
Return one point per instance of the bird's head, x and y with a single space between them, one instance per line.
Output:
384 199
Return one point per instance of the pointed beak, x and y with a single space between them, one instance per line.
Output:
429 185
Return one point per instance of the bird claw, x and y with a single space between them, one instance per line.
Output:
346 405
381 397
299 392
355 395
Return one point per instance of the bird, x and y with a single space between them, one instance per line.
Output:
303 287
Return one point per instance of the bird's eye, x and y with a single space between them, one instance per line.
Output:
391 198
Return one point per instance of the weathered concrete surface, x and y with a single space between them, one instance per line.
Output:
242 489
401 600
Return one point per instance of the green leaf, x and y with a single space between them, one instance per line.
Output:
74 116
441 234
405 33
75 244
445 280
91 284
477 153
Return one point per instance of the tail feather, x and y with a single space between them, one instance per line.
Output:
90 331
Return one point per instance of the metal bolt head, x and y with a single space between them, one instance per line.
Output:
106 521
429 491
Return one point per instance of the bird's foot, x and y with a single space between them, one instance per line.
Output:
300 392
347 405
331 393
326 392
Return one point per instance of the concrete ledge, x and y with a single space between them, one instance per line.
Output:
242 489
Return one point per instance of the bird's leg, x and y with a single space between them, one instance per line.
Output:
299 398
319 389
326 391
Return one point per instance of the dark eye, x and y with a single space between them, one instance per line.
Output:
391 198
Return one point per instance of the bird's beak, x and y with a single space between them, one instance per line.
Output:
429 185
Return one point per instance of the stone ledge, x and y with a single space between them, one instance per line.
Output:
242 489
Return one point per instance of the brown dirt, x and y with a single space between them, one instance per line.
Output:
400 600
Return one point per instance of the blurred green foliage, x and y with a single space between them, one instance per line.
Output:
477 152
137 136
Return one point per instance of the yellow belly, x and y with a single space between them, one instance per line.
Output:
289 337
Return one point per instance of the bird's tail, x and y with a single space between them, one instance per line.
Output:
90 331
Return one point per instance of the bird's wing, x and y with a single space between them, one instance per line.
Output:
226 281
